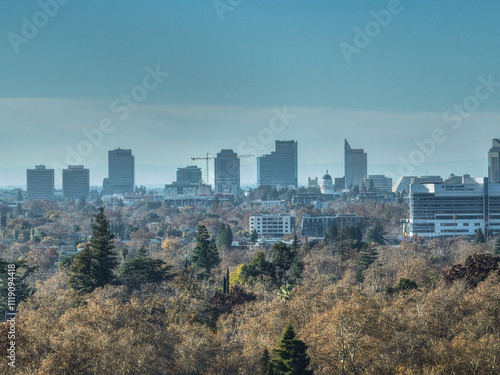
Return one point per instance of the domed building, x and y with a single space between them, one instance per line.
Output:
327 186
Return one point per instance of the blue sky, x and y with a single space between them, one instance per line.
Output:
231 66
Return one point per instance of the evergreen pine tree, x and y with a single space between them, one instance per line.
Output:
142 270
376 234
94 266
205 254
496 250
225 237
343 241
332 234
284 258
101 244
289 356
371 188
229 237
18 211
479 237
366 257
213 254
81 203
19 196
265 363
18 275
224 289
255 236
80 271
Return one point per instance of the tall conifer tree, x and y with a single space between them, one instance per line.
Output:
289 356
103 251
94 266
205 253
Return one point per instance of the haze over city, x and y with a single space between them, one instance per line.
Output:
415 85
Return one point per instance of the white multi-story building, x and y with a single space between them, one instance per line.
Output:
272 225
438 210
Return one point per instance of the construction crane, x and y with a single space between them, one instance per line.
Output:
208 157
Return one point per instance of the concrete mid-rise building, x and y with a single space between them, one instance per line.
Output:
439 210
190 174
280 167
121 172
494 162
40 183
227 173
177 189
272 225
75 182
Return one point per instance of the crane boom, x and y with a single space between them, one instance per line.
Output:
207 157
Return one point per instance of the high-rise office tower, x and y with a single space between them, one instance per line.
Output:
75 182
190 174
120 172
227 173
280 168
355 166
40 183
494 162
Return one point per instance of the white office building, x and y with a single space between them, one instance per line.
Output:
439 210
272 225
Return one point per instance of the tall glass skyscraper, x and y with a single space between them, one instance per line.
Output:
494 162
355 166
120 172
280 168
227 173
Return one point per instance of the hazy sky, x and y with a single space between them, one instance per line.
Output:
414 83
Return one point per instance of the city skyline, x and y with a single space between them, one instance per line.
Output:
414 82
